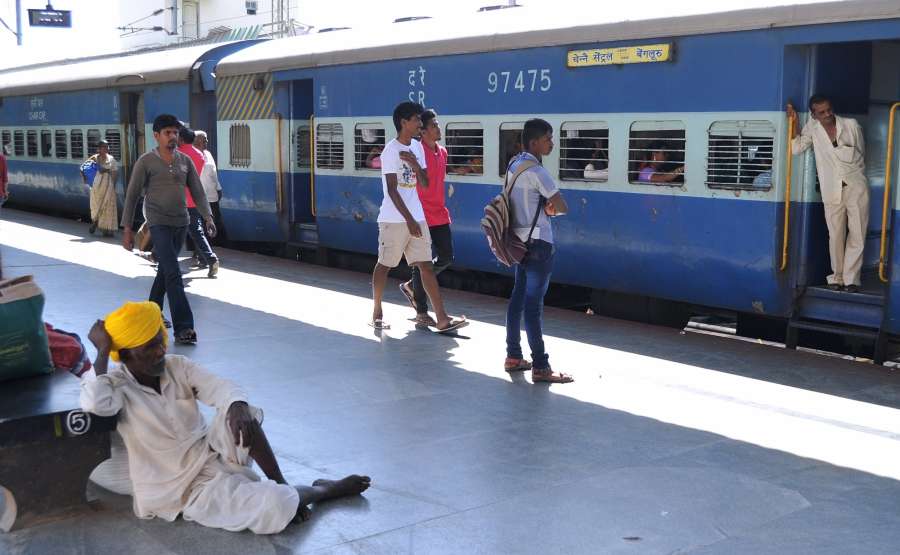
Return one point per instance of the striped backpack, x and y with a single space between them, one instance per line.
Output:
508 248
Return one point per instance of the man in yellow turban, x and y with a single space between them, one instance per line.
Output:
177 463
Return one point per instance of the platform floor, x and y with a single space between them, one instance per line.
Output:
668 442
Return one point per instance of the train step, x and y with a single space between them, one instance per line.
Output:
873 333
864 309
305 235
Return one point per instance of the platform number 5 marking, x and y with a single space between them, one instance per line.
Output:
78 422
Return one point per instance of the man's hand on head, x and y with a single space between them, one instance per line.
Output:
241 423
100 337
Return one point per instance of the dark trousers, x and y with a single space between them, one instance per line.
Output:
220 237
167 242
442 246
198 236
532 280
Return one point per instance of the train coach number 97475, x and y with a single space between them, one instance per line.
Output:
526 80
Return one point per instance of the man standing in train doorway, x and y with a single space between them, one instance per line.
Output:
840 164
161 176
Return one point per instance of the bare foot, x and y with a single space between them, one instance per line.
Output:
351 485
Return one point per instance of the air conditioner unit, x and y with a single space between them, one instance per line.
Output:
251 6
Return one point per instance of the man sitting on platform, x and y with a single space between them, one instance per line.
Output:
179 465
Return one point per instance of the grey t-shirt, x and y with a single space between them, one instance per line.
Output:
534 183
162 186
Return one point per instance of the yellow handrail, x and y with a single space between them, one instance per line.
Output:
279 178
312 166
787 194
887 192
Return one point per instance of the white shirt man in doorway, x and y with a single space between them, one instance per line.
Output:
840 154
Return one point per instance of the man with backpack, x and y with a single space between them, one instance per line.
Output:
533 198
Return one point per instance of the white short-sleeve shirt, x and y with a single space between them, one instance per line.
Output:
406 181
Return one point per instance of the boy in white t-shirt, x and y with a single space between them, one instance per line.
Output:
402 230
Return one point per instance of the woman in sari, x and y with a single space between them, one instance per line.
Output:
104 214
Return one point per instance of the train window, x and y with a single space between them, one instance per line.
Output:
239 143
510 143
76 137
330 146
584 151
656 152
302 147
740 155
368 142
5 139
61 144
32 142
114 138
46 143
465 148
19 143
93 141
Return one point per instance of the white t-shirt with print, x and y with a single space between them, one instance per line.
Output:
406 181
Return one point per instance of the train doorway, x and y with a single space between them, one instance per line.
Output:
132 120
301 178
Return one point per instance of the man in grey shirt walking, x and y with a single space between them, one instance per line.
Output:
161 175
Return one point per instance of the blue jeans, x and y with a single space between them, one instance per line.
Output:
532 280
167 243
198 236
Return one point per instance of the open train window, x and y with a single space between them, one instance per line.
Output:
114 138
368 142
740 155
31 141
93 141
584 151
76 138
239 145
19 143
510 143
302 152
656 153
330 146
5 139
46 144
465 148
61 144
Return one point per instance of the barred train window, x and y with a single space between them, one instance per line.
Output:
19 143
368 142
302 151
61 145
510 143
6 139
740 155
656 152
330 146
465 148
114 138
46 143
584 151
76 137
239 143
93 141
32 142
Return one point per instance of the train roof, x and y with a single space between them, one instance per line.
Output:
139 68
517 28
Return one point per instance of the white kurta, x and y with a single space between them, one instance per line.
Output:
176 462
845 192
209 177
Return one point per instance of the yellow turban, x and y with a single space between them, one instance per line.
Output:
134 324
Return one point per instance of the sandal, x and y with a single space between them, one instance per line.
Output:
516 365
548 376
454 325
407 291
379 324
425 320
186 337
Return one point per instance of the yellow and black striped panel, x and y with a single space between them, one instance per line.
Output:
245 97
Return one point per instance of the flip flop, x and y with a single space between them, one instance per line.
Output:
408 293
460 322
186 337
516 365
379 324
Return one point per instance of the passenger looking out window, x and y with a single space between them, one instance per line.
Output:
657 169
373 159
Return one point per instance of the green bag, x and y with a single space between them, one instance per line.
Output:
23 339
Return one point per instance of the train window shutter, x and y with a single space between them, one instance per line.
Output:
330 146
465 148
584 151
740 155
368 142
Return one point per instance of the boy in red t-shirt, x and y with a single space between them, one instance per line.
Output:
204 253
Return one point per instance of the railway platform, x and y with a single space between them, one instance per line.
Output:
667 442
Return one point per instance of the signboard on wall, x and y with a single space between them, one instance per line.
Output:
622 55
50 18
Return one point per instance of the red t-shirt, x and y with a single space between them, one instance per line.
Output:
432 197
197 156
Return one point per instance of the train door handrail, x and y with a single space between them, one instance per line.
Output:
787 194
887 192
279 177
312 165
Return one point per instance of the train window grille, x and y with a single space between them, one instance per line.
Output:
239 145
667 140
368 142
76 139
6 139
302 150
510 144
114 138
330 146
465 148
93 141
740 155
584 152
61 143
19 143
46 144
31 139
